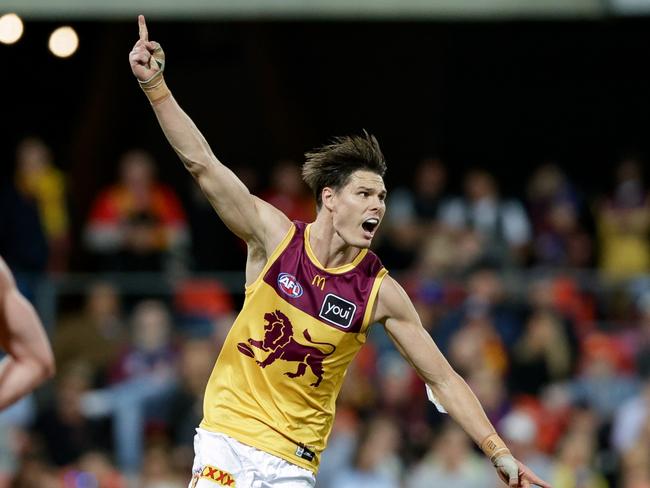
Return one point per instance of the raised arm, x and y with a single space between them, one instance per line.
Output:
401 321
29 360
253 220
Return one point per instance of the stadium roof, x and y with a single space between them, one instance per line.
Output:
325 9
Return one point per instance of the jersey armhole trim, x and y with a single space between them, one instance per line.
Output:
372 299
272 258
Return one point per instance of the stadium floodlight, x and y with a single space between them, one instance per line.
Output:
11 28
64 42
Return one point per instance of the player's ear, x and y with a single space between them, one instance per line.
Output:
327 196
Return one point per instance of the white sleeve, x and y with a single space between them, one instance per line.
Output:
434 400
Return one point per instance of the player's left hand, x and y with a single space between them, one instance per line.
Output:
516 474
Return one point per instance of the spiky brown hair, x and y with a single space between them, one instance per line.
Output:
331 165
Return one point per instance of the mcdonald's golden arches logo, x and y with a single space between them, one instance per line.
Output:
319 281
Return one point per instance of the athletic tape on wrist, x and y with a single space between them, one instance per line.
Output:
156 90
493 446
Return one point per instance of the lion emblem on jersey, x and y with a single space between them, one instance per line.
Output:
279 342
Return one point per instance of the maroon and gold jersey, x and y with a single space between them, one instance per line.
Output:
275 383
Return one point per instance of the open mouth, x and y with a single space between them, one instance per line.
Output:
370 225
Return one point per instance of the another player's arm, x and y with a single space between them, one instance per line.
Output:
402 323
259 224
29 360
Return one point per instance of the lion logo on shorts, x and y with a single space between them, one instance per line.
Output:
279 342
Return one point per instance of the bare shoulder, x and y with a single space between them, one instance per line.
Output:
393 302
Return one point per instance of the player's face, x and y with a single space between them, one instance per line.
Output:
358 208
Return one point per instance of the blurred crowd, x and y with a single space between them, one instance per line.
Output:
541 300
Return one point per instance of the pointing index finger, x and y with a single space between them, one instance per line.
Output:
142 28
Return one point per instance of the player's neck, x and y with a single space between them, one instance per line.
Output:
330 249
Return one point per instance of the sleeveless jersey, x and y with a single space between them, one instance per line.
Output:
275 382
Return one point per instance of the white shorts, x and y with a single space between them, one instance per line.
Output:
220 460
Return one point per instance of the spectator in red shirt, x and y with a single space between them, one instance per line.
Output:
137 223
288 192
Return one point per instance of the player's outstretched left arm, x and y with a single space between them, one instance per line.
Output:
402 323
29 360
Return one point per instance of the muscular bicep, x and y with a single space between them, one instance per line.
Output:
402 324
258 225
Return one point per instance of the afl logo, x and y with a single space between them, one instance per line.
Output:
289 285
